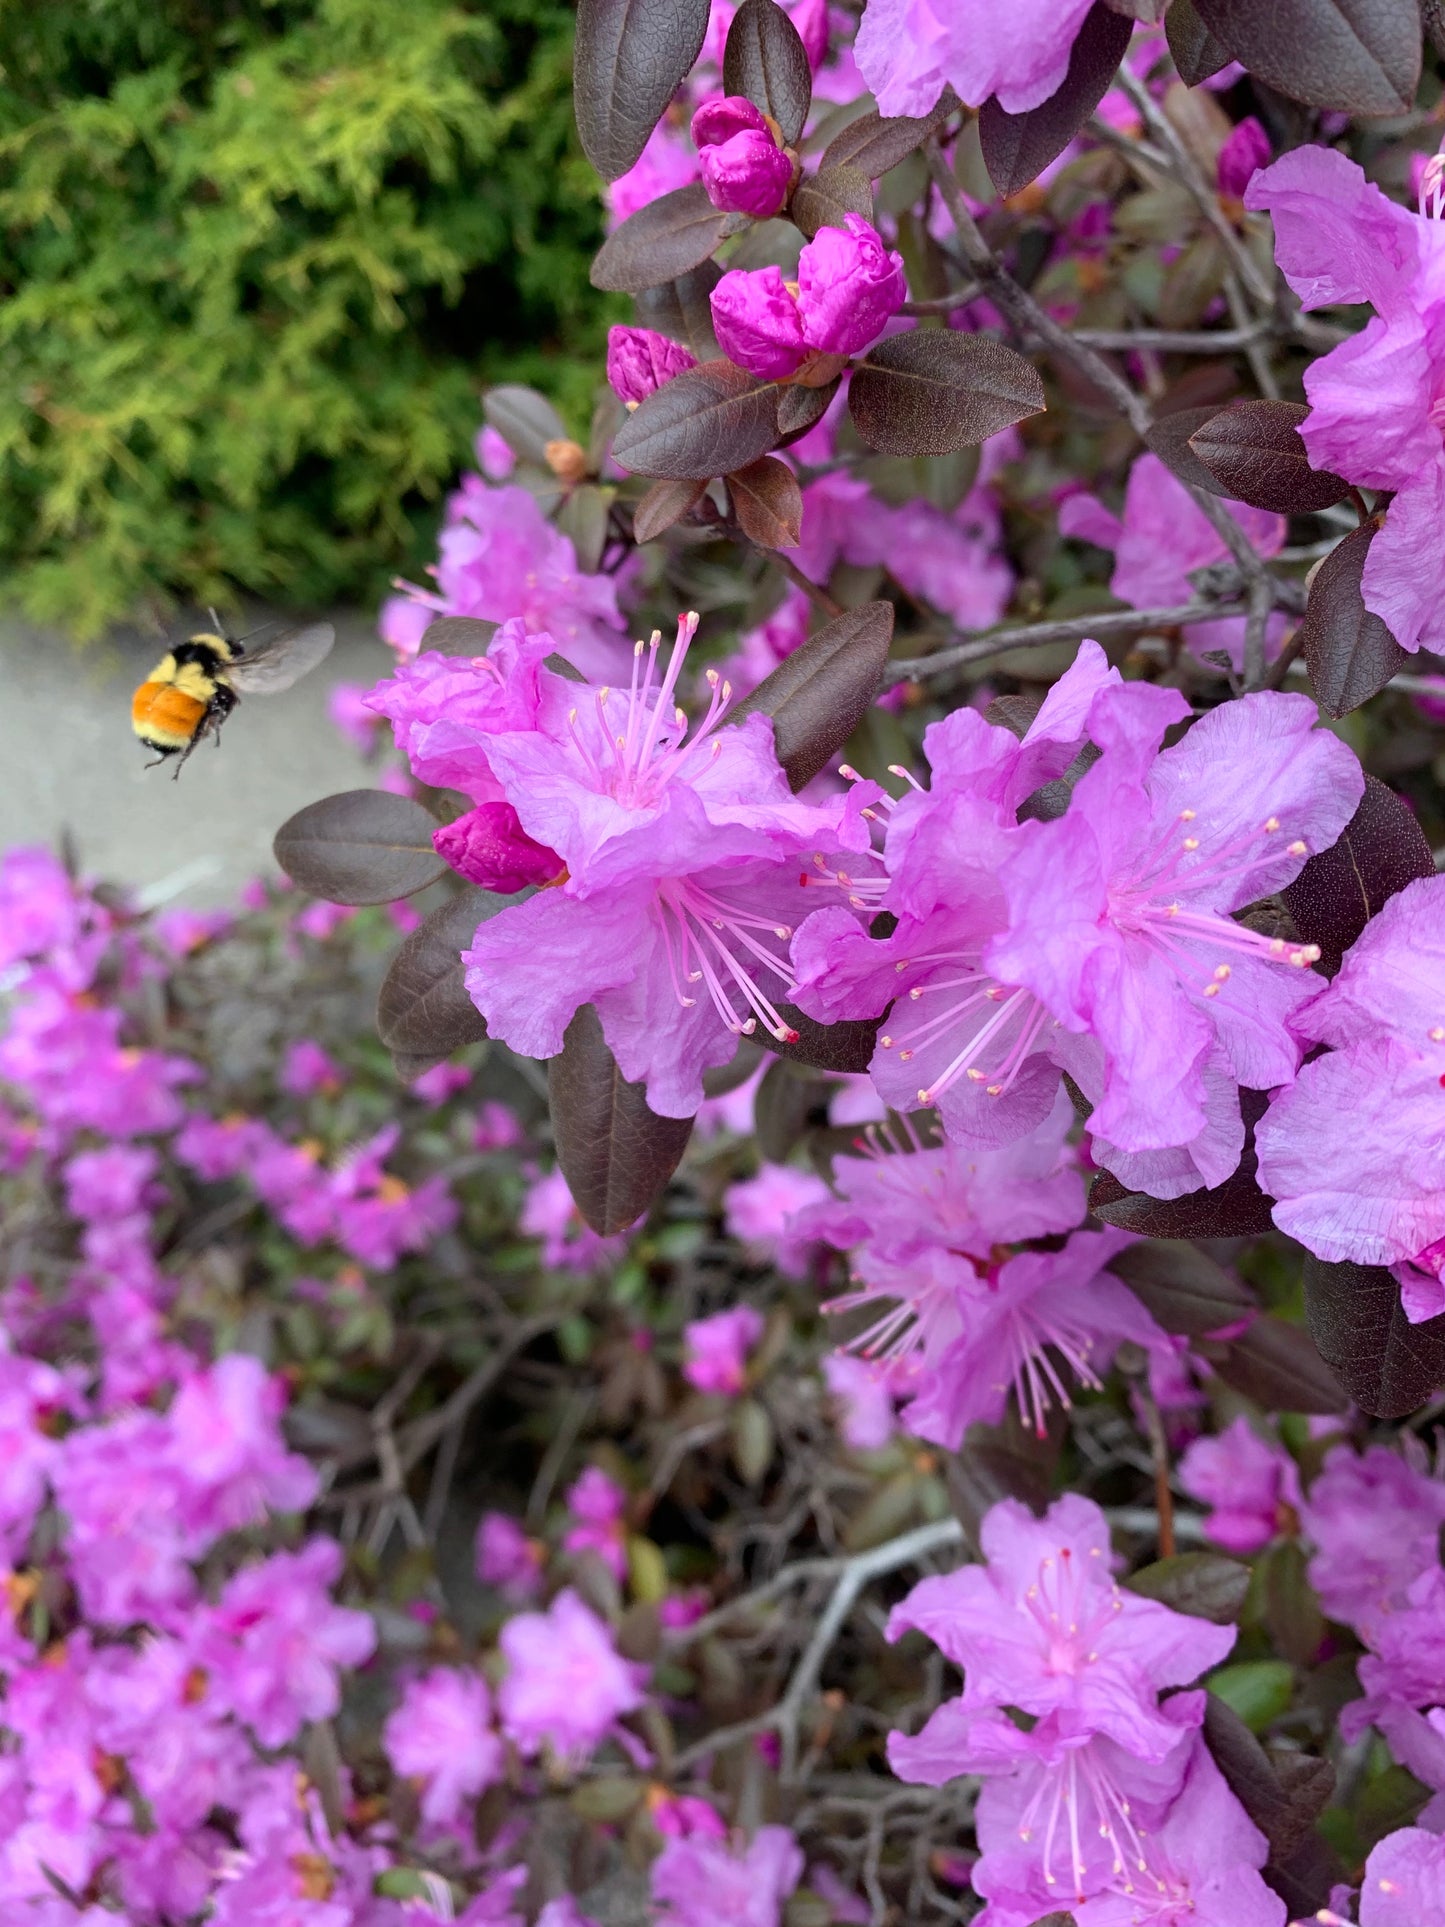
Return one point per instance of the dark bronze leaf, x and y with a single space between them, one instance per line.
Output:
986 1468
1380 850
1387 1365
682 309
1350 652
875 142
825 198
1197 54
667 238
768 503
1358 56
1283 1811
932 391
631 57
1018 147
818 695
1256 454
664 504
1149 12
764 59
846 1049
1277 1365
525 420
1235 1209
706 421
363 846
1169 440
459 636
615 1153
1186 1291
424 1008
799 408
1202 1583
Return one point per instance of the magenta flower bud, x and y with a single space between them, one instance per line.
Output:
489 847
849 287
757 323
749 174
719 119
1242 155
744 168
639 360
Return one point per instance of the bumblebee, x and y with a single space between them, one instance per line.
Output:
195 686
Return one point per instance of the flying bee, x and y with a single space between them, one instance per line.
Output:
195 686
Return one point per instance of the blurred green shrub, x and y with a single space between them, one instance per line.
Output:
256 259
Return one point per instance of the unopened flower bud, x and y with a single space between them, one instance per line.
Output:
744 167
566 459
639 360
1246 150
489 847
758 324
849 287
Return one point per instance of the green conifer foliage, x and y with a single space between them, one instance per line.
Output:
256 261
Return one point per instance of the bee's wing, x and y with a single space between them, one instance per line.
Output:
278 664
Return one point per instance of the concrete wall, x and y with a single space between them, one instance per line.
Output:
68 760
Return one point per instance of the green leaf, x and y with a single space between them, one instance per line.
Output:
1256 1690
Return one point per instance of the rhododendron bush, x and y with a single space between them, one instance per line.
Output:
798 1273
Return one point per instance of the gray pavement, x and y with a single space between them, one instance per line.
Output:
68 760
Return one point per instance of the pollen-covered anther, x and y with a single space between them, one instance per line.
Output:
915 993
1222 973
886 1042
1187 816
1297 848
848 773
1191 842
975 1076
1271 823
996 995
905 1057
995 1090
1437 1035
1307 954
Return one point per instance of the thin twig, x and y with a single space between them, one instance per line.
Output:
1261 601
944 303
1109 622
810 589
1159 1447
1175 341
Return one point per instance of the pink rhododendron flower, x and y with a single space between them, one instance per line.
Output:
957 1037
744 167
698 1882
1374 1519
346 706
1374 414
1197 1866
307 1068
681 850
909 50
761 1213
1120 922
1247 1480
849 287
506 1557
668 161
639 361
111 1183
1163 538
42 912
1241 157
500 559
715 1349
273 1643
866 1395
599 1507
569 1243
30 1391
1044 1629
566 1684
441 1735
441 1082
1354 1151
494 453
1404 1883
